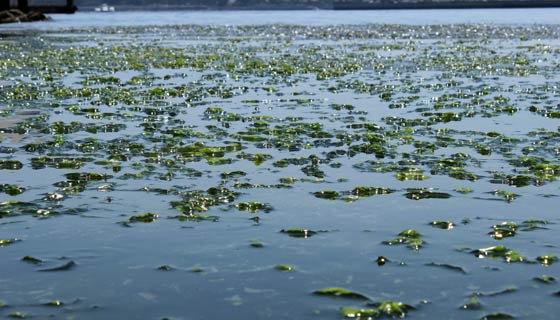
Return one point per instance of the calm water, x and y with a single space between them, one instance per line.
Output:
319 17
198 122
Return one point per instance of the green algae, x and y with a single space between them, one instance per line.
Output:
7 242
298 233
12 190
511 228
31 260
410 237
364 191
411 174
165 268
256 244
326 194
533 224
463 190
508 255
393 308
505 195
232 174
10 165
218 121
504 230
545 279
54 303
547 260
446 225
195 217
284 267
144 218
390 309
253 206
17 315
340 293
419 194
473 303
359 313
199 201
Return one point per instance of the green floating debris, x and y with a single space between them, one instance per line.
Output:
340 292
32 260
12 190
362 191
410 237
87 176
509 229
288 180
54 303
257 245
284 267
195 201
359 313
165 268
446 225
385 308
499 252
519 181
415 175
545 279
473 303
232 175
504 230
327 194
532 224
298 233
463 190
17 315
144 218
253 206
7 242
505 195
547 260
419 194
393 308
10 165
65 267
195 217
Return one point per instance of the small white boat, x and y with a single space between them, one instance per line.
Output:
105 8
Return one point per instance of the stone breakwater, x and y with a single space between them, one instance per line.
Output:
15 15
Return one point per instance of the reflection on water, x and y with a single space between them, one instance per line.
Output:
10 120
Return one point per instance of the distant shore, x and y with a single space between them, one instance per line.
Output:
161 7
348 5
386 5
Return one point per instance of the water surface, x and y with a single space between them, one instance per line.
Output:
279 160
